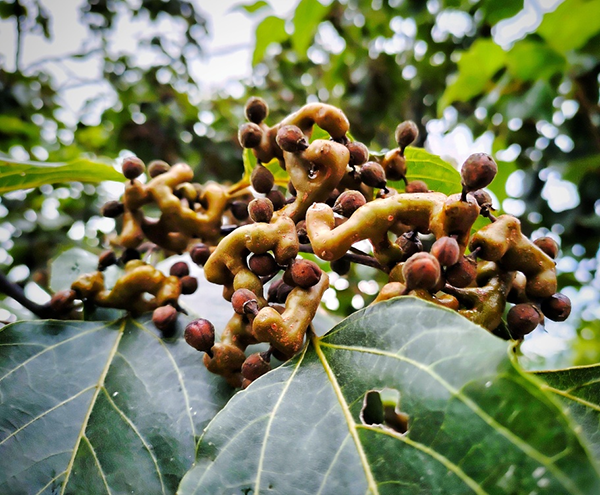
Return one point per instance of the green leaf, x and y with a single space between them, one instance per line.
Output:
579 388
13 126
307 18
270 30
476 422
16 174
69 265
577 169
532 60
496 11
250 162
476 68
583 18
89 407
251 8
439 175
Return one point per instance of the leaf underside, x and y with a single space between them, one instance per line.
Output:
88 407
477 424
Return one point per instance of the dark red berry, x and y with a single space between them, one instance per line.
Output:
406 133
63 301
106 259
373 175
522 319
256 365
291 139
157 167
263 265
256 109
260 210
200 254
250 135
348 202
112 209
165 319
244 302
548 245
133 167
200 334
239 210
557 307
179 269
262 179
277 198
478 171
189 285
359 153
446 250
129 254
421 271
463 273
416 186
410 244
305 273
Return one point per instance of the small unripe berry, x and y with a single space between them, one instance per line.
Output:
463 273
63 301
200 334
189 285
244 302
200 254
416 186
262 179
359 153
341 266
291 139
128 255
250 135
557 307
133 167
260 210
106 259
484 200
348 202
277 198
256 109
256 365
548 245
522 319
112 209
478 171
410 244
446 250
263 265
157 167
165 319
421 271
179 269
305 273
406 133
373 175
239 210
394 165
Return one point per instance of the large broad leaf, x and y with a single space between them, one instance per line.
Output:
583 23
439 175
476 68
270 30
16 174
580 389
532 60
477 423
87 407
307 18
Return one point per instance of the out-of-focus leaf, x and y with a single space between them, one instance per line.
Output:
92 407
577 169
251 8
307 18
439 175
15 174
498 185
496 11
476 422
69 265
579 387
476 68
10 125
571 25
270 30
532 60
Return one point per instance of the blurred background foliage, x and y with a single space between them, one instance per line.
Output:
441 63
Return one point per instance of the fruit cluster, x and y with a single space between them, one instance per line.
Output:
338 195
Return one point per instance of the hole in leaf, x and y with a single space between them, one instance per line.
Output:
382 408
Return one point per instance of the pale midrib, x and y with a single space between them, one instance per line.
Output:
270 422
447 463
509 435
574 398
138 434
179 377
97 461
371 484
88 414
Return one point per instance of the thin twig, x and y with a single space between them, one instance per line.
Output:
361 259
16 292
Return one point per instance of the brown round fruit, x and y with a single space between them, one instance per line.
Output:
406 133
189 285
200 254
157 167
200 334
244 302
256 109
262 179
250 135
557 307
112 209
446 250
256 365
260 210
263 265
522 319
416 186
291 139
478 171
179 269
348 202
359 153
165 319
548 245
133 167
421 271
373 175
